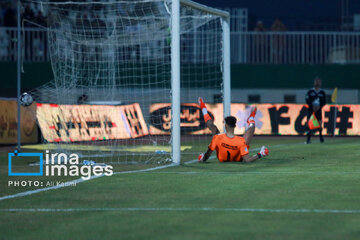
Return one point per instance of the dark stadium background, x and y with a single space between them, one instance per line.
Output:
296 14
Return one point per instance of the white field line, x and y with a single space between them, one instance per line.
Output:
205 209
74 182
254 172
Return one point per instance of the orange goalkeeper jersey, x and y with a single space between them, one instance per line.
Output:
229 149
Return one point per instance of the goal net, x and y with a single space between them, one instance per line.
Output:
112 93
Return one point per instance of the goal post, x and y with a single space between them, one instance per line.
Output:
175 66
175 82
127 77
226 66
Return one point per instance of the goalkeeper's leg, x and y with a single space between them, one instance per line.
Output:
213 128
251 127
208 121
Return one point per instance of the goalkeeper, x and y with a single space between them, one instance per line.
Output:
228 146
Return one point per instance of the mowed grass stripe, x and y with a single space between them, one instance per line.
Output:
204 209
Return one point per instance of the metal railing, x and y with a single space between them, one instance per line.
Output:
246 47
295 47
34 44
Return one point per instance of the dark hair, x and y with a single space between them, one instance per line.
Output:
230 121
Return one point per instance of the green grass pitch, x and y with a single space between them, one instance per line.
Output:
299 192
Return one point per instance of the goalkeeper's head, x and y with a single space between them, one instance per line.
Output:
230 123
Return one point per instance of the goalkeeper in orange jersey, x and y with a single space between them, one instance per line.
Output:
228 146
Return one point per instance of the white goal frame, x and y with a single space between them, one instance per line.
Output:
175 63
175 67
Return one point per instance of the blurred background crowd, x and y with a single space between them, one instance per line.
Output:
262 31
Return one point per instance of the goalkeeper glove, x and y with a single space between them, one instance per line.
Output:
201 157
264 151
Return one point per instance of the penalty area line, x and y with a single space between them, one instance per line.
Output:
204 209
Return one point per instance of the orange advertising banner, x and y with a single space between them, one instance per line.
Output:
271 119
72 123
8 123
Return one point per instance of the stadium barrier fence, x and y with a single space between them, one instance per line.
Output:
295 47
246 47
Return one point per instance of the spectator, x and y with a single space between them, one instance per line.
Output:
85 21
40 19
2 13
102 26
260 27
4 44
10 16
28 15
83 99
278 41
261 52
278 26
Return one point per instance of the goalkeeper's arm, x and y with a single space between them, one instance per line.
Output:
248 158
264 151
203 157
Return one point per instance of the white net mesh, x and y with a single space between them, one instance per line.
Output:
111 93
201 75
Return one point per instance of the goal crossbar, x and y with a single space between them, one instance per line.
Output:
204 8
189 3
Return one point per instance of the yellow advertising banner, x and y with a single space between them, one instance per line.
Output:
271 119
73 123
8 123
